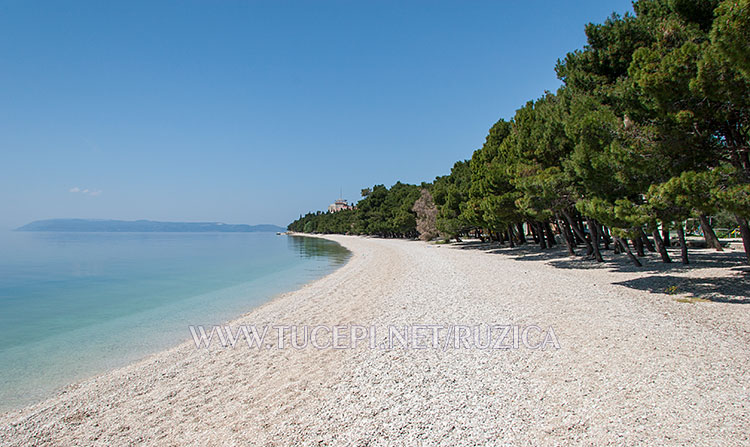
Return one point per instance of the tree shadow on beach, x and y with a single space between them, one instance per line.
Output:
475 245
732 289
522 252
698 278
558 257
529 252
652 263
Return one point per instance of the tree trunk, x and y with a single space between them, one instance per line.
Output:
567 237
540 233
665 235
594 231
660 247
745 232
683 244
580 235
589 248
569 232
646 242
550 235
510 236
533 229
708 234
624 245
638 244
521 237
578 232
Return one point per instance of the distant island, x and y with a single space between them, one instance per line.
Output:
115 226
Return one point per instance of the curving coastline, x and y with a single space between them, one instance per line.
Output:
622 346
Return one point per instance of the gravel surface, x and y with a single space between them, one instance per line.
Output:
635 365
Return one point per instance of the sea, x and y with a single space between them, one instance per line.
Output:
74 305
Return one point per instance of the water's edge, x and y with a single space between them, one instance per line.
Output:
146 357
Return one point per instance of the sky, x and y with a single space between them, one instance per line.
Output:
257 111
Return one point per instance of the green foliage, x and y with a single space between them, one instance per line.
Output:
492 197
450 192
382 212
731 33
340 222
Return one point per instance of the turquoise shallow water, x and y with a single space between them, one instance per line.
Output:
76 304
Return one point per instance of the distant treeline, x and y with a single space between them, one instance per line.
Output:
382 212
650 128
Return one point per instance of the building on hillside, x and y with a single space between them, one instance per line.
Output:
339 205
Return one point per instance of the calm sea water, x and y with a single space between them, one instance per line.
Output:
76 304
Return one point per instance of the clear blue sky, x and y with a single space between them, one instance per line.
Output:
256 111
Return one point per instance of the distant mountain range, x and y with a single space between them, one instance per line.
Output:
114 226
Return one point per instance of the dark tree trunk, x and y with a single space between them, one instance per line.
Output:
624 245
578 232
540 232
647 242
745 232
638 244
533 229
708 234
521 237
594 231
683 244
587 237
510 236
567 235
665 234
550 235
660 247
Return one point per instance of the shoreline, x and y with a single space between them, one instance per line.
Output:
184 336
622 343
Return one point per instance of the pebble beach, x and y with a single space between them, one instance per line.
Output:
651 356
